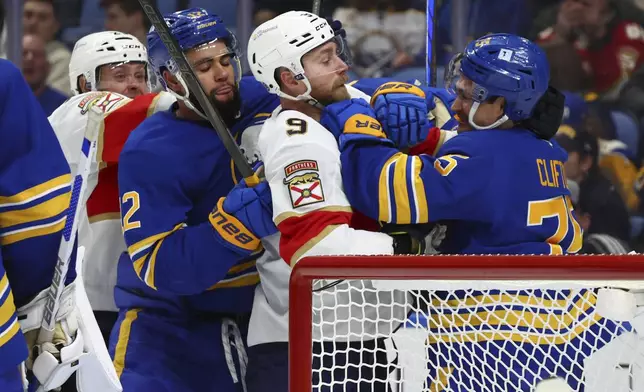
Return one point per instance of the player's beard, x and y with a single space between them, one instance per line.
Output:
229 110
338 93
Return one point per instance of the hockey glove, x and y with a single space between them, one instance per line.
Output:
336 25
423 239
245 216
402 109
352 119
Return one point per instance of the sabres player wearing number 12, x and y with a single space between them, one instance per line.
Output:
34 196
185 286
500 188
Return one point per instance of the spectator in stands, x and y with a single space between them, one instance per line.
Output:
35 69
611 45
126 16
384 35
39 17
599 244
598 197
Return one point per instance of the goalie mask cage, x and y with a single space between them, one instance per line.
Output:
467 323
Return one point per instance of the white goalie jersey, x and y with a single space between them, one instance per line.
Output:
99 223
302 165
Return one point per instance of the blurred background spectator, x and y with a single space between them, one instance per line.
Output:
35 68
40 18
126 16
595 49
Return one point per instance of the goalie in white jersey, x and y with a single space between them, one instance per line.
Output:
108 70
299 57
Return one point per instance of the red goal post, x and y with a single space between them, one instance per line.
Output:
602 268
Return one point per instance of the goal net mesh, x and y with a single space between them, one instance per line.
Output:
475 336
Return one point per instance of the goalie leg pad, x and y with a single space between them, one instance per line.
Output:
158 351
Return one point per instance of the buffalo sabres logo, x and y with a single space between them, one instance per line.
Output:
304 189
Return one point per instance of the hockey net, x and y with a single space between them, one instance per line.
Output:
467 323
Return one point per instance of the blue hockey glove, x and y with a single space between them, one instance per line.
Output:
245 216
336 25
352 119
402 109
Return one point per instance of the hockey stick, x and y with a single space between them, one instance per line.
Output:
317 5
195 88
66 249
430 64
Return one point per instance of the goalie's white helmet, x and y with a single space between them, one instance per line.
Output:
282 42
98 49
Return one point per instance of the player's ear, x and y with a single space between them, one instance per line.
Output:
172 82
286 78
82 84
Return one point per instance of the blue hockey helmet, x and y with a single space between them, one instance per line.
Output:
503 65
194 28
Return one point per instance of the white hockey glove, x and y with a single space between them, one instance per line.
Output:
52 363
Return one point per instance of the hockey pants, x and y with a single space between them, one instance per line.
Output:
157 352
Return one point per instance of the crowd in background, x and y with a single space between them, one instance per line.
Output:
595 49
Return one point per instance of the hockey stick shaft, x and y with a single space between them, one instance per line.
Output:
430 65
189 76
317 5
68 240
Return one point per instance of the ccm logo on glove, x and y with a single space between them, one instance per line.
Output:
231 229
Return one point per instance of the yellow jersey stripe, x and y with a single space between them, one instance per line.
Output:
384 213
145 243
250 279
36 192
152 258
235 269
33 231
401 193
9 332
7 309
47 209
123 338
518 337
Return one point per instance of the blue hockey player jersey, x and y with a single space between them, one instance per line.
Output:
172 172
34 196
498 191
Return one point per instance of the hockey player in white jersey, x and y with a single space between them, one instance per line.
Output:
298 57
108 70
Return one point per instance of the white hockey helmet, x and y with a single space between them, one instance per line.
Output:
282 42
98 49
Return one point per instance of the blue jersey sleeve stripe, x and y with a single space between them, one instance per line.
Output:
148 269
422 211
47 209
36 192
140 247
40 230
6 334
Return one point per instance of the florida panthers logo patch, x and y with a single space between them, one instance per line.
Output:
306 188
